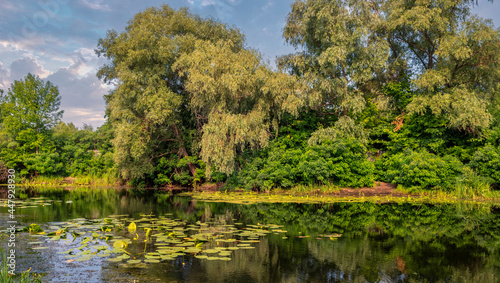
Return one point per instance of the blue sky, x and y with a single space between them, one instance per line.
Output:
55 39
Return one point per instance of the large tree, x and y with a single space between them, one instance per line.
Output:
28 112
188 86
351 49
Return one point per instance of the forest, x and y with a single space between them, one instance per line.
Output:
404 92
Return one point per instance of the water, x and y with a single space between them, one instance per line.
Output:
340 242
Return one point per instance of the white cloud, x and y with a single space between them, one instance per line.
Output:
96 5
201 2
268 6
21 67
234 2
4 77
80 116
81 94
16 42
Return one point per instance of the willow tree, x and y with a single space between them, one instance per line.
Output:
187 86
350 49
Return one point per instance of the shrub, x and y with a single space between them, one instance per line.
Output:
471 185
422 170
486 161
344 128
175 170
341 162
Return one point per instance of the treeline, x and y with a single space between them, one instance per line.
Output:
34 142
403 92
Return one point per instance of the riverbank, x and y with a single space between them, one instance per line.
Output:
105 181
381 191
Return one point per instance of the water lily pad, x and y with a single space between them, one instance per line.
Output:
85 258
151 257
134 261
81 247
65 252
192 250
211 251
152 260
124 256
120 244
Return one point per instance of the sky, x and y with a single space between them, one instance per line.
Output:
55 39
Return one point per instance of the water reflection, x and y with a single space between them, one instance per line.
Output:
379 242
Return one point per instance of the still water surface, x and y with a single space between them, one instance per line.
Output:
263 242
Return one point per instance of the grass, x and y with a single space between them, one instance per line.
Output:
106 179
469 186
314 189
24 277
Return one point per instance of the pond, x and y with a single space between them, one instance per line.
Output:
112 235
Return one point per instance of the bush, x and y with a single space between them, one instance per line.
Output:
486 161
471 185
175 170
422 170
341 162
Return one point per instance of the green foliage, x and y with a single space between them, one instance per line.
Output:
173 170
471 185
341 162
421 170
28 112
486 161
150 109
458 83
428 131
84 152
188 86
344 128
348 57
416 81
30 104
341 55
24 277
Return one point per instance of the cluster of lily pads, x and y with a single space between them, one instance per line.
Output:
31 202
137 242
255 198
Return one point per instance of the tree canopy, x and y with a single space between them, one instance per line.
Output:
398 91
28 112
352 49
188 86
